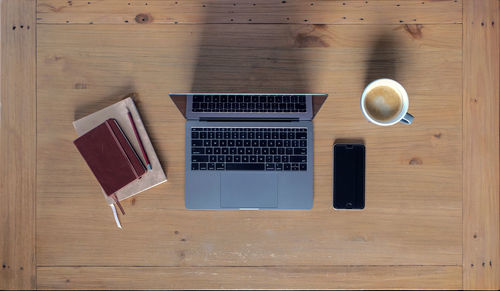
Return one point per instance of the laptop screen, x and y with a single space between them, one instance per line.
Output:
226 105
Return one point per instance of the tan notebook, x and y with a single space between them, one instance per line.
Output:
119 111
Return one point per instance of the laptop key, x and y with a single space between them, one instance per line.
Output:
269 167
244 167
197 151
298 159
303 167
213 159
199 159
203 166
279 167
299 151
196 143
211 166
301 135
219 166
194 166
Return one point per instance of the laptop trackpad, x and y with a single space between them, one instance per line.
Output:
249 190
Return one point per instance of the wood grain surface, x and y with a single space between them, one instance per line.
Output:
279 277
257 11
412 234
17 144
414 190
481 151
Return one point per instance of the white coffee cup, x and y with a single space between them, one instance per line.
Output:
402 116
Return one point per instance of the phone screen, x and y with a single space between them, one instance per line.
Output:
349 176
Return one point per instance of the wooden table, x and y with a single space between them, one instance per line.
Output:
432 191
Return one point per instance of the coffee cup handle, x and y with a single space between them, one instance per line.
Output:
407 119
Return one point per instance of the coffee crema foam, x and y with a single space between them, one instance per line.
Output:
383 103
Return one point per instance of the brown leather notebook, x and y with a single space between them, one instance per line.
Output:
110 156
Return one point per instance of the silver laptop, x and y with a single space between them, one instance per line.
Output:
249 151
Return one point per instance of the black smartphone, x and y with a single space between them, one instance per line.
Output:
349 176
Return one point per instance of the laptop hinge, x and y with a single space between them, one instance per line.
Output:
218 119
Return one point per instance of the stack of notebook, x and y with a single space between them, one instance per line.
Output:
117 149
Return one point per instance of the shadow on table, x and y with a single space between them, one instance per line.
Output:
384 58
249 58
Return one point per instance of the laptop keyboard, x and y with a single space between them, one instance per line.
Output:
249 103
257 149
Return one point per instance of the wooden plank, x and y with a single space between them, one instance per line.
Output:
17 144
414 188
257 11
321 277
481 241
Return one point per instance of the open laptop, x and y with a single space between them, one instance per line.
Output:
249 151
